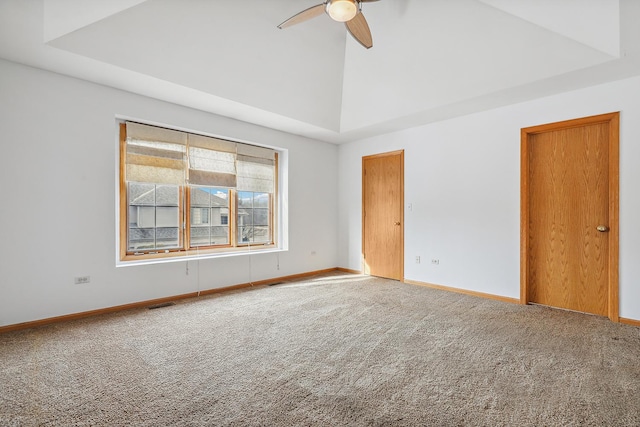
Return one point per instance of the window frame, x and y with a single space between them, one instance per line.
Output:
187 222
155 206
270 207
184 208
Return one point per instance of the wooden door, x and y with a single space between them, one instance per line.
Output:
383 215
569 227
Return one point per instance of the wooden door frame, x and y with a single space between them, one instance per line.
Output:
373 156
613 120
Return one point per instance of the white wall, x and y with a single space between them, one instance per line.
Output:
58 200
462 177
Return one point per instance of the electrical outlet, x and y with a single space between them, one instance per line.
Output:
435 261
79 280
417 259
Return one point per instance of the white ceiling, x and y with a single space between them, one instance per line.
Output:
431 60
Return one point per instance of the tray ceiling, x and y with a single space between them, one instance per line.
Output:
431 60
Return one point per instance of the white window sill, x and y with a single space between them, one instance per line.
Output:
191 257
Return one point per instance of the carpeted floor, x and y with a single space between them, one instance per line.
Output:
337 350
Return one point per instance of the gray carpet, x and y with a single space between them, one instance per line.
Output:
331 350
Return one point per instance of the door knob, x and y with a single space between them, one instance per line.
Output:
602 228
397 222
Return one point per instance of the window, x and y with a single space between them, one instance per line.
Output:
186 193
209 206
253 217
154 218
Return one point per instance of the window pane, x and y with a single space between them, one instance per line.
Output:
261 217
245 199
245 217
219 197
133 216
145 216
200 236
141 239
261 235
167 217
200 197
142 216
167 238
219 235
154 217
167 195
260 200
245 234
217 214
209 226
253 217
253 235
142 194
199 216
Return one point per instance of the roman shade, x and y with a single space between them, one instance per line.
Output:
212 161
164 156
256 167
155 155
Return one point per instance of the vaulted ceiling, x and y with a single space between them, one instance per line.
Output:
431 60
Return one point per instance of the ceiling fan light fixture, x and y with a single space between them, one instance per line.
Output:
342 10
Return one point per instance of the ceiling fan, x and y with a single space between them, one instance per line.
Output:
347 11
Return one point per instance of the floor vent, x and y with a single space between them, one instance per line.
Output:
164 304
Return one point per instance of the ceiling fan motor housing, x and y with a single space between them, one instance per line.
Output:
348 12
342 10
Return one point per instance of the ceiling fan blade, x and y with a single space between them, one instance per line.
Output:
305 15
360 31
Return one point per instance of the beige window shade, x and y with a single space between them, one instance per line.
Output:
158 155
139 132
255 169
155 155
212 162
255 151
